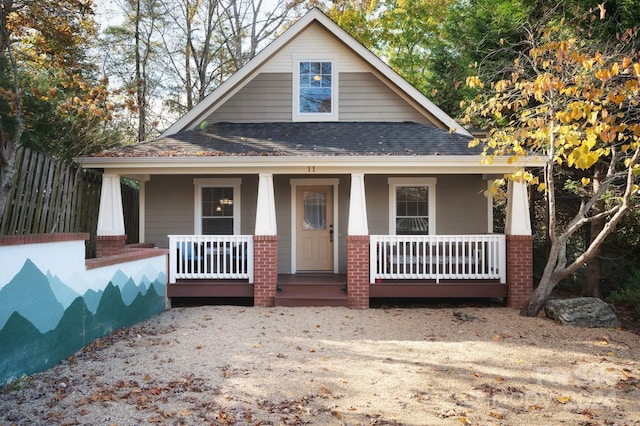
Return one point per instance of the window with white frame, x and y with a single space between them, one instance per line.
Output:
412 206
217 206
314 90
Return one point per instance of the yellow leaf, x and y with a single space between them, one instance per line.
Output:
542 187
563 399
615 69
585 181
636 70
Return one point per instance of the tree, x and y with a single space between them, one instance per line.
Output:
578 106
51 99
131 50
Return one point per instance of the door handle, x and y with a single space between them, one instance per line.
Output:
330 233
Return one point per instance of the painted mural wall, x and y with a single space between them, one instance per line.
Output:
52 305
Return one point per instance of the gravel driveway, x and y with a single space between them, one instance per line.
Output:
333 366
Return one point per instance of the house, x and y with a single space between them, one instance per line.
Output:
317 168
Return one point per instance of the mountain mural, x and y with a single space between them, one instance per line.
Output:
41 322
63 293
40 306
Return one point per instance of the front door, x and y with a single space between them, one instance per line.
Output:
314 228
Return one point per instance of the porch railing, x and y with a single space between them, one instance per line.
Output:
210 257
437 257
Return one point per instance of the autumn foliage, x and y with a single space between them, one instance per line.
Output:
575 104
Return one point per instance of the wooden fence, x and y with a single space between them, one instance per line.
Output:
50 195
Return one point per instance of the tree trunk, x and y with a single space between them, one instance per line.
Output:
594 266
540 295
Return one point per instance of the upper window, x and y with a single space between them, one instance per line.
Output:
217 206
314 91
412 206
315 87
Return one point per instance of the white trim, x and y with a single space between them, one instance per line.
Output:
334 182
358 219
193 118
296 115
368 164
110 213
142 200
489 207
518 220
265 206
199 183
429 182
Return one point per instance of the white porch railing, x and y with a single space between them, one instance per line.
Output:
438 257
210 257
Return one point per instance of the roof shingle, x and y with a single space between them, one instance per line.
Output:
305 139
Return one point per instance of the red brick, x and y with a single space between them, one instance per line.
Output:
519 269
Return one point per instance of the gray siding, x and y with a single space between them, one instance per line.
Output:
170 206
282 190
461 207
266 98
364 98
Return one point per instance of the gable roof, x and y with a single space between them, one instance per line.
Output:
307 139
193 118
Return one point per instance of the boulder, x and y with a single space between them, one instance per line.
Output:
582 311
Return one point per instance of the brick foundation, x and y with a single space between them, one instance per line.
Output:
265 269
358 271
108 245
519 269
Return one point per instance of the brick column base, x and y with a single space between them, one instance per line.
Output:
108 245
358 271
519 269
265 269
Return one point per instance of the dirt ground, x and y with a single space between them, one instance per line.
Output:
332 366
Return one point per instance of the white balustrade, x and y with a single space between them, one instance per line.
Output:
437 257
210 257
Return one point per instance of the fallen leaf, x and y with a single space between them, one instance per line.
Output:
496 415
563 399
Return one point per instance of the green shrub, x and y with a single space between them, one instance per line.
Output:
628 294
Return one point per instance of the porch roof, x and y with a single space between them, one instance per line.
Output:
305 139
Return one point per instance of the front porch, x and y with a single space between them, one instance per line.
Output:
440 266
254 265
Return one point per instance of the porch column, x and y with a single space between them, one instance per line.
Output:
110 235
265 244
358 246
519 245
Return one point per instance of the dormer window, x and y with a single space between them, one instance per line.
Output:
315 87
315 94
